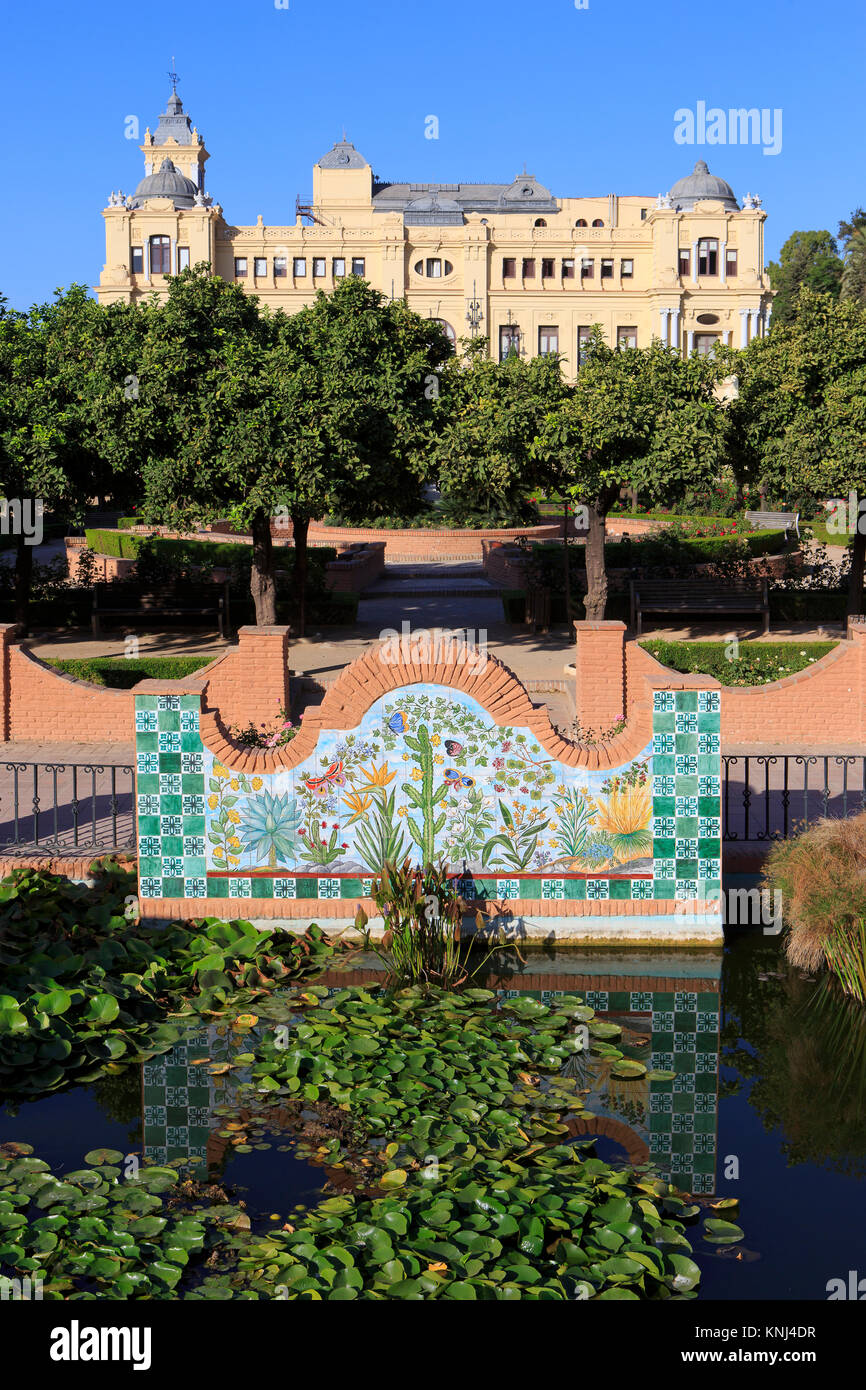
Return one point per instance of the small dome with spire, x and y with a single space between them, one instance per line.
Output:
167 182
699 184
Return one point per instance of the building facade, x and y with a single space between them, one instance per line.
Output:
530 271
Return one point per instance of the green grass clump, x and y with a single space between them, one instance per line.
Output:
122 673
757 663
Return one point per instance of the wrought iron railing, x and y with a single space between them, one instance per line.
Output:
770 796
66 808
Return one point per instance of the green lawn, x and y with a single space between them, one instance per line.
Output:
121 673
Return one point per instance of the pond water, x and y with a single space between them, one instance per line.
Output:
767 1105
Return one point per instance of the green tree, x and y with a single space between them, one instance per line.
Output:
853 235
636 417
808 259
251 415
67 398
483 451
800 417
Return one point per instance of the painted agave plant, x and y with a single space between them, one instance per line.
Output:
624 821
270 828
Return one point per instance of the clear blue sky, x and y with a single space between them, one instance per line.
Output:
586 97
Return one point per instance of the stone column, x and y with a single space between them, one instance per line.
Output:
691 342
694 262
723 247
664 320
744 328
675 332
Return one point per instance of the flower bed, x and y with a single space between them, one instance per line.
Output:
757 663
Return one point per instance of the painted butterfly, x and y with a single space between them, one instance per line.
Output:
397 722
452 747
467 781
451 775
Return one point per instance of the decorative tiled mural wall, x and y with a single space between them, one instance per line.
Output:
428 772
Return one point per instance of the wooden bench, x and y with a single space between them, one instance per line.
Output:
683 596
182 601
769 520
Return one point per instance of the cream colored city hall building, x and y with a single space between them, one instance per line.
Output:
527 270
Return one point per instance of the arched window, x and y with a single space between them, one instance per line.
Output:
447 330
160 255
581 222
540 222
598 222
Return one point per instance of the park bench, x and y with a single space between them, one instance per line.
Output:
683 596
172 601
769 520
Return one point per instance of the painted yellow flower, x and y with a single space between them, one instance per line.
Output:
234 818
439 759
405 757
358 803
435 740
212 801
234 784
401 811
220 771
257 782
417 774
377 776
218 852
234 859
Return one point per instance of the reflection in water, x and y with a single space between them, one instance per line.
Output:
667 1006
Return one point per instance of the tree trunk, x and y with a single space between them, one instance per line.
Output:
300 527
567 565
596 570
262 583
855 577
23 581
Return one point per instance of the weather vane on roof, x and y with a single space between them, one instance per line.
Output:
172 77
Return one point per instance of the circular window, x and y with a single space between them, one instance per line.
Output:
433 268
598 222
581 222
527 191
708 318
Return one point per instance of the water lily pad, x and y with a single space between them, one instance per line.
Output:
722 1232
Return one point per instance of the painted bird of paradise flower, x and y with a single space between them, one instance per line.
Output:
624 821
377 777
358 803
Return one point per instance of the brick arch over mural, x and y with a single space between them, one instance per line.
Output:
385 669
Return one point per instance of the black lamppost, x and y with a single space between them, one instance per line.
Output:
475 313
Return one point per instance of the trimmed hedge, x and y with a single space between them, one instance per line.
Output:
648 550
757 663
121 673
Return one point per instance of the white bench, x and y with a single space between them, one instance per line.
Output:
768 520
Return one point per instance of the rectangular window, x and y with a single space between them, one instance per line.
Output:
280 267
359 266
704 343
182 258
434 268
626 269
626 337
685 263
160 255
260 266
548 268
568 268
319 267
136 260
509 341
509 267
731 263
643 214
607 270
587 268
529 268
548 341
299 267
240 267
583 335
708 256
339 267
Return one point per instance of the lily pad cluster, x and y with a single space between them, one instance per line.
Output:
94 1232
451 1112
85 990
